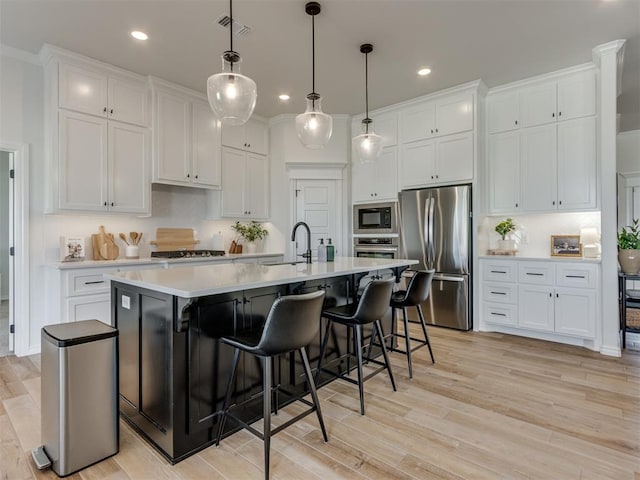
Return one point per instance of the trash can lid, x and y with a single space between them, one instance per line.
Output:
75 333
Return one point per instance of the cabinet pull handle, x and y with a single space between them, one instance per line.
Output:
499 314
94 282
497 271
574 276
535 274
499 293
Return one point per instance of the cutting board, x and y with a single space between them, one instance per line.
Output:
174 239
104 245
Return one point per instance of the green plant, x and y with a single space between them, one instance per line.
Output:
250 232
504 227
630 239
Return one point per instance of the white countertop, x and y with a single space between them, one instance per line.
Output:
202 280
548 258
120 262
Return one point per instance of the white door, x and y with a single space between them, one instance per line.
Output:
575 312
418 123
362 177
417 164
256 193
538 168
454 114
206 146
538 105
577 96
503 112
386 175
535 308
128 101
454 158
233 187
577 164
316 205
10 258
83 90
504 172
173 155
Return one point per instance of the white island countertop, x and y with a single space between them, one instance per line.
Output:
199 281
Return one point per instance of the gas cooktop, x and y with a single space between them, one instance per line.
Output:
196 254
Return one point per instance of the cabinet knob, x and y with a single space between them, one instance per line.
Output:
105 204
113 204
248 145
432 130
431 177
560 202
111 111
553 115
188 175
196 177
559 114
550 295
104 109
437 176
516 122
553 203
375 194
557 296
436 130
516 205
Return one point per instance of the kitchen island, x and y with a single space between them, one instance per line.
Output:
172 367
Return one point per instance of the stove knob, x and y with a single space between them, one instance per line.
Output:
203 254
208 254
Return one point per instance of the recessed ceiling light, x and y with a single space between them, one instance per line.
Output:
424 71
284 97
139 35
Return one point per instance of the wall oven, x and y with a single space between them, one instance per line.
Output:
375 218
375 247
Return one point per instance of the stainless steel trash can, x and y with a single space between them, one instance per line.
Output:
79 394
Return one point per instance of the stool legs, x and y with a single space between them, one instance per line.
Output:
378 327
357 342
314 393
227 397
266 412
424 330
407 340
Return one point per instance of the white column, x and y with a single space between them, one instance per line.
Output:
609 57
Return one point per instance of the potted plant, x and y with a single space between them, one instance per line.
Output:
251 232
504 228
629 248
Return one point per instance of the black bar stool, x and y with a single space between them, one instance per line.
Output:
372 306
293 322
417 292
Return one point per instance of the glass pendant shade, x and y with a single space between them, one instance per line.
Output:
232 96
314 127
368 145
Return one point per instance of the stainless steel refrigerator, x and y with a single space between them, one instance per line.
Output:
435 228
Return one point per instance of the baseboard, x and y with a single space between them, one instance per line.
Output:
611 351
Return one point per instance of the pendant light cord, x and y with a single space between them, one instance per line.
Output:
313 57
231 31
366 89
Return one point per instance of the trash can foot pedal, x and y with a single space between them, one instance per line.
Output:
40 458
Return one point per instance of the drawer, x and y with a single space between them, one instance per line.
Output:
87 281
582 276
500 314
499 292
499 271
537 273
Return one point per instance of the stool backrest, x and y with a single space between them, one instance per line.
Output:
419 286
374 301
293 322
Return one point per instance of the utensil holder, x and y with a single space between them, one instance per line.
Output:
132 252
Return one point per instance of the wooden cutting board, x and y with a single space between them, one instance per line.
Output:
104 245
174 239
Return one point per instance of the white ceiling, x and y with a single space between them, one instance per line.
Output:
499 41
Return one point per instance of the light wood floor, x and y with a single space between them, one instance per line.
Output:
493 407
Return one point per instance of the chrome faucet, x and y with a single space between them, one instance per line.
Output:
307 254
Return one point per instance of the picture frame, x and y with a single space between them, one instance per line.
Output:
72 249
566 246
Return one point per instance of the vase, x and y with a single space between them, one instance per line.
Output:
507 244
251 247
629 261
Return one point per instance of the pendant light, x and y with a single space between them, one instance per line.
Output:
313 126
368 145
232 96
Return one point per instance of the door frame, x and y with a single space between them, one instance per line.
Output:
313 171
19 285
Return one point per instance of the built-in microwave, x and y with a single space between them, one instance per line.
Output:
375 218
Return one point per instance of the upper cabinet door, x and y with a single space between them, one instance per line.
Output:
577 96
504 110
454 114
83 161
82 90
173 138
256 137
538 105
362 178
206 146
233 136
385 125
504 173
577 164
538 168
128 101
418 123
454 156
233 183
129 155
418 162
386 175
257 186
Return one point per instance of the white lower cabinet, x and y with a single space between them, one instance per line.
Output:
558 298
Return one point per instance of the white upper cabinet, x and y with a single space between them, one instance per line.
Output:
444 116
245 184
552 143
418 165
98 143
570 97
187 138
252 137
97 93
503 113
376 181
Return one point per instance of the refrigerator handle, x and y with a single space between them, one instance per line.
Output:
427 231
432 204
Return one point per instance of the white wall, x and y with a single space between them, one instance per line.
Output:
4 225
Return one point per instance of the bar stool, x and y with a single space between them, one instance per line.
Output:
417 292
293 322
373 304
